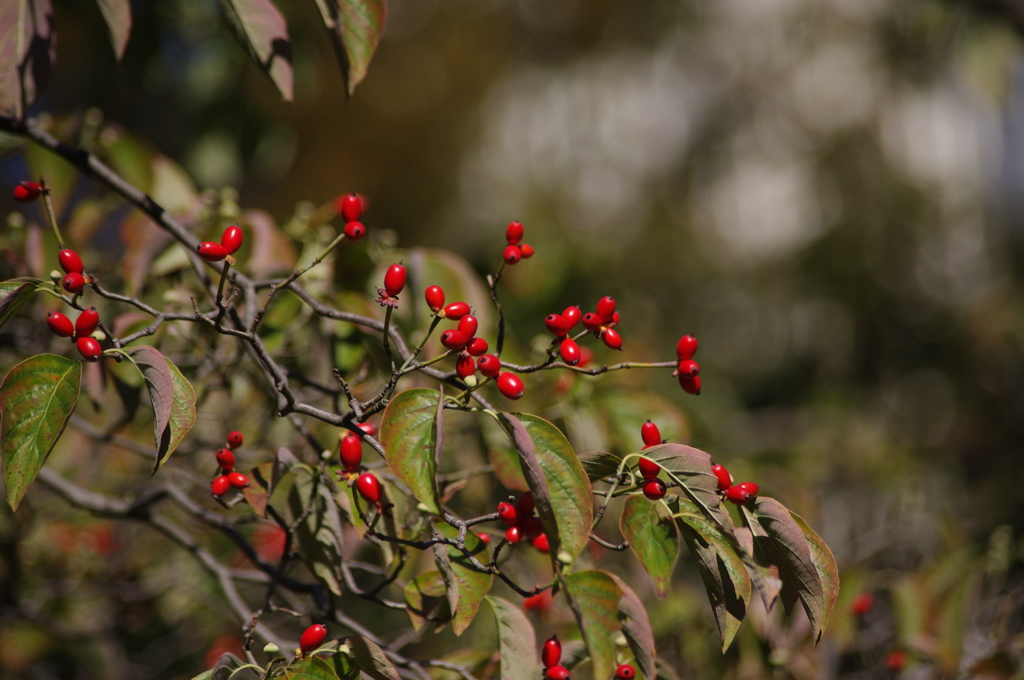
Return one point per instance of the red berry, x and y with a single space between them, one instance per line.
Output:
526 250
89 348
750 488
650 434
655 489
312 637
489 365
531 527
453 339
351 207
606 308
541 543
737 495
477 347
211 252
586 356
690 385
225 459
26 192
513 534
235 439
551 652
512 254
514 233
688 368
724 478
896 660
648 468
557 673
232 239
686 347
351 452
456 310
556 325
862 604
354 231
625 672
510 386
70 261
394 279
592 322
368 428
74 283
615 319
484 538
220 485
87 322
465 365
571 316
525 505
238 480
60 324
369 487
611 338
507 513
539 602
435 298
570 351
468 325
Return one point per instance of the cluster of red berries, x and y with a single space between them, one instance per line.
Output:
312 638
602 322
226 460
523 523
551 657
80 333
472 350
734 493
351 449
26 192
350 207
516 249
654 489
687 369
230 242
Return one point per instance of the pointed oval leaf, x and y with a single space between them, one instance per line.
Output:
517 641
370 658
824 563
653 538
159 383
426 598
320 534
118 16
13 295
561 489
636 626
261 29
355 27
409 434
599 464
691 469
36 399
471 585
183 415
312 668
594 599
27 53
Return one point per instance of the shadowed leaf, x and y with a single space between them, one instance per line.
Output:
517 641
636 626
472 585
261 29
653 538
118 15
264 479
355 27
691 468
410 435
172 397
319 534
13 295
599 464
427 600
27 52
36 399
370 658
594 598
824 563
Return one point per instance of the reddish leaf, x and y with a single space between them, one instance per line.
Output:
691 468
598 464
636 626
172 398
118 15
261 29
27 52
356 27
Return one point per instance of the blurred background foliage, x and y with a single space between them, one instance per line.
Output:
828 194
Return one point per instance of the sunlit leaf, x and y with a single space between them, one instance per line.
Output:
824 564
172 397
472 584
409 433
517 641
261 29
691 468
27 52
653 538
118 15
13 296
312 668
36 399
355 27
593 597
320 534
636 626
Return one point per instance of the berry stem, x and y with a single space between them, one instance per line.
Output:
48 205
492 283
387 339
220 286
419 348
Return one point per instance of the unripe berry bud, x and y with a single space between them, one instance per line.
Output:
394 280
514 233
369 487
270 649
354 231
312 638
70 261
60 324
351 452
512 254
232 239
510 386
211 252
435 298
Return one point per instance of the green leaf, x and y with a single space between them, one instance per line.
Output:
824 564
319 535
27 53
636 626
427 601
507 470
471 585
594 598
561 490
172 397
118 16
13 295
266 477
517 641
653 538
691 468
355 27
725 577
36 399
411 436
312 668
370 658
599 464
784 545
261 29
227 667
